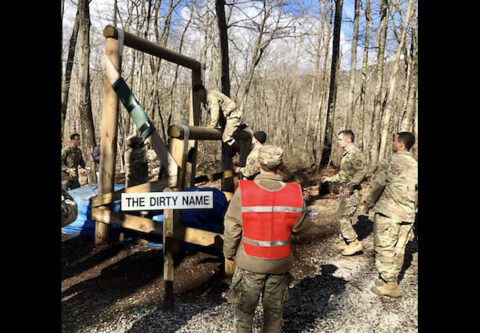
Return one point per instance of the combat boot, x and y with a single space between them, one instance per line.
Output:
379 282
340 245
388 289
352 248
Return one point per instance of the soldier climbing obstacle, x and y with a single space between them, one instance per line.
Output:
224 113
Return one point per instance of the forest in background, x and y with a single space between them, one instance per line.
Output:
300 70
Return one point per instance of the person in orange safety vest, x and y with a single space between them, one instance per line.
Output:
262 217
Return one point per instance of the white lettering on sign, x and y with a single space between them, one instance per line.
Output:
166 200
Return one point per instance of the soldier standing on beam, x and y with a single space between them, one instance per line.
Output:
223 111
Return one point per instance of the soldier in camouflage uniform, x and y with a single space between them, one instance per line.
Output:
222 109
255 275
71 159
136 163
392 195
69 208
352 172
250 169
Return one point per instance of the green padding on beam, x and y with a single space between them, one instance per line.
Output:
137 113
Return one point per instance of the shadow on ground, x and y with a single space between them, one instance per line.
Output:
162 319
314 290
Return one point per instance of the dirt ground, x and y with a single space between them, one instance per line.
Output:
119 287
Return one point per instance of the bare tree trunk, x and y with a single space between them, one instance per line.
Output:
223 33
407 120
374 142
363 88
391 89
332 94
68 71
353 68
85 104
320 124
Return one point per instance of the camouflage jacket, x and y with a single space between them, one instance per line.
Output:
219 106
71 159
69 209
232 246
250 169
352 169
136 166
393 189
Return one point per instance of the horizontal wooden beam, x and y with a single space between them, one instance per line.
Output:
107 198
137 223
205 133
149 47
198 236
102 214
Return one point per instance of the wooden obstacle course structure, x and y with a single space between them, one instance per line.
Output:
181 173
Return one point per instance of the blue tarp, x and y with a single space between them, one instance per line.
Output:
205 219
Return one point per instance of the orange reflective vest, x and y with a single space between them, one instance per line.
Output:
268 218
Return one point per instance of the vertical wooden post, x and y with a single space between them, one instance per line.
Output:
168 301
227 164
194 120
177 172
108 145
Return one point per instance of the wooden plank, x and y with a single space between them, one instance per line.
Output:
137 223
146 46
108 144
107 198
199 237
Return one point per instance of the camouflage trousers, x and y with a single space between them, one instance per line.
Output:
390 239
245 293
344 214
233 121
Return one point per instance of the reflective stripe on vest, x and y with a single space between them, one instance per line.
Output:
268 218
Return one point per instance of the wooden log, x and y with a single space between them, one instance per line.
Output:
168 300
107 198
176 172
108 144
146 46
137 223
194 120
205 133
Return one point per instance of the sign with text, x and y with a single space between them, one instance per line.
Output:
166 200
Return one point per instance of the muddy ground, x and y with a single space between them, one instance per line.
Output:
119 287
